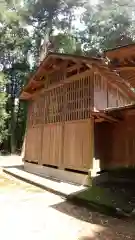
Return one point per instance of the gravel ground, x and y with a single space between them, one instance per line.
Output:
28 212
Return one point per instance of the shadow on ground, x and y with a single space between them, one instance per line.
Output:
103 226
111 192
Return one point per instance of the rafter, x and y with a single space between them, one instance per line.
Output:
25 95
109 117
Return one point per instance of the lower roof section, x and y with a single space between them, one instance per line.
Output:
113 114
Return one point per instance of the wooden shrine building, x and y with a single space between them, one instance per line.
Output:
76 117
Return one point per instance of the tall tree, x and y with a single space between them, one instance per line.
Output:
3 114
46 17
108 25
14 48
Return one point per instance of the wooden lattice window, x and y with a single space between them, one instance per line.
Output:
54 105
54 78
65 103
39 110
97 81
77 100
36 111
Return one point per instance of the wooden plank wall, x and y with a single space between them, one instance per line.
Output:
106 95
115 143
103 143
123 148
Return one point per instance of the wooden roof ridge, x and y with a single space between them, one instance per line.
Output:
66 55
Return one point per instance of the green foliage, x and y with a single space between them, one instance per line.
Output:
109 25
65 43
47 16
3 114
14 47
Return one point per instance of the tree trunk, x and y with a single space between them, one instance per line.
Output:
12 126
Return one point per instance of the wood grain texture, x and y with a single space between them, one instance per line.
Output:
106 95
77 144
33 144
52 144
115 143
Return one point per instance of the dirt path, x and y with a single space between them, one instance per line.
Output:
27 212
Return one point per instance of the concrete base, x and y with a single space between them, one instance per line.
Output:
61 175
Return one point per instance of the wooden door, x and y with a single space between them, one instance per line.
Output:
52 144
33 144
77 145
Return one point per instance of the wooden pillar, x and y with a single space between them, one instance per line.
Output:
95 163
92 142
23 148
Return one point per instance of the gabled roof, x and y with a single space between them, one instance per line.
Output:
51 61
122 60
55 60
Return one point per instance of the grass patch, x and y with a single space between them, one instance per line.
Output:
104 198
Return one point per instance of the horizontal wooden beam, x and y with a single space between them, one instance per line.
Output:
131 79
25 95
98 120
102 115
75 66
37 83
124 68
131 111
109 117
